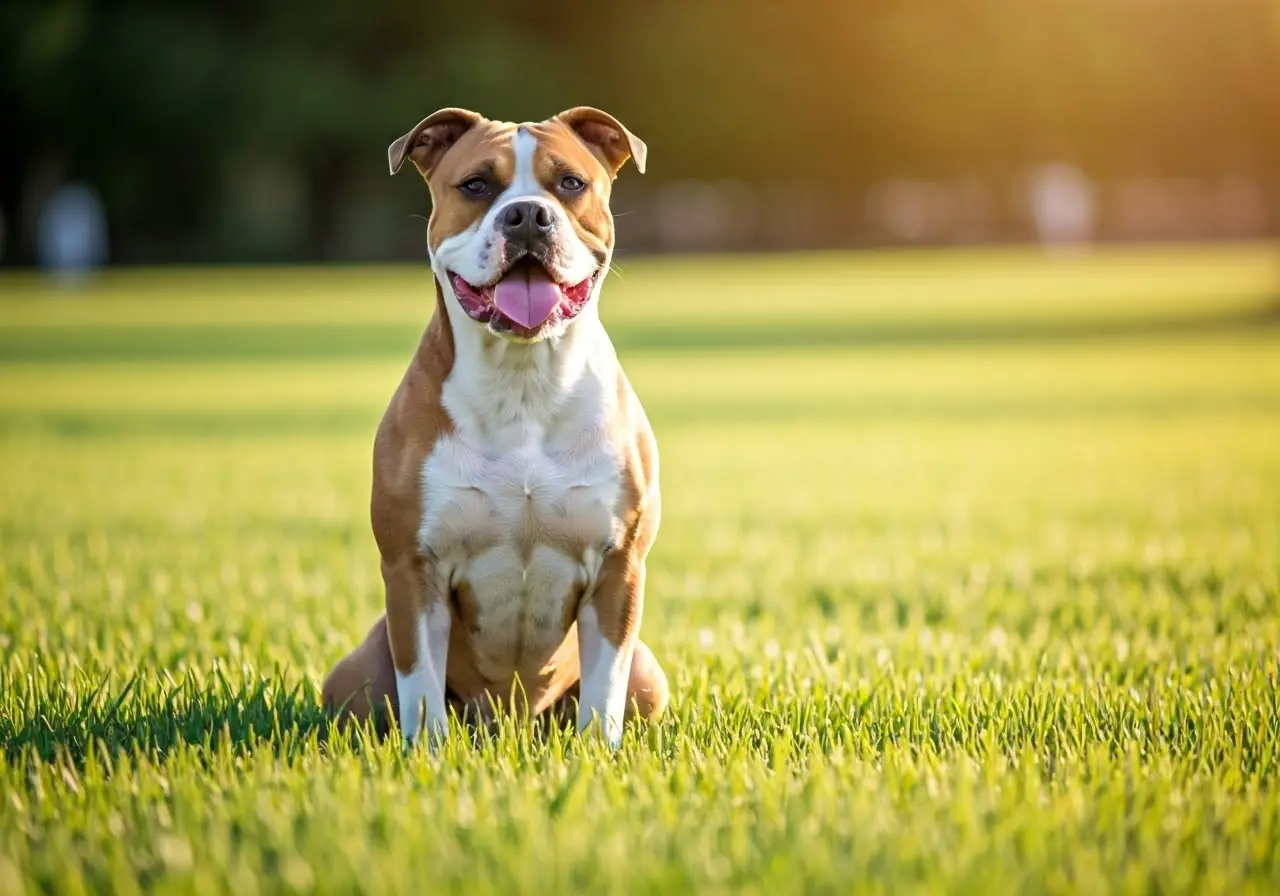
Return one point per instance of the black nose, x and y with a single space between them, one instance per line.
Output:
526 222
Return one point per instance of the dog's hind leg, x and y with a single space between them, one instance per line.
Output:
363 683
647 689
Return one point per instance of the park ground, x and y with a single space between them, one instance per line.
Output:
968 581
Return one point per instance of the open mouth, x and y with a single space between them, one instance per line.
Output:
524 301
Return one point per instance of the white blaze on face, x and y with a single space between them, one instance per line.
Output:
525 183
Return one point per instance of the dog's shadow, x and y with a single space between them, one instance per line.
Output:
152 717
201 716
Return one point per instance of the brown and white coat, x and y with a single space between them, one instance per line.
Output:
515 475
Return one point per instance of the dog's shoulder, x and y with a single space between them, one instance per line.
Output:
414 422
636 448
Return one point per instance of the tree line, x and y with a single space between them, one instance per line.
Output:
257 130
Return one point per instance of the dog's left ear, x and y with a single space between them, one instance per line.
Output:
605 134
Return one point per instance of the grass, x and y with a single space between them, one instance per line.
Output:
968 580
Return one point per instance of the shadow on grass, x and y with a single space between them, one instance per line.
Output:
152 717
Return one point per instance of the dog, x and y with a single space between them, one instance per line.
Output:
515 474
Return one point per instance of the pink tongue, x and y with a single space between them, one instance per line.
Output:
527 297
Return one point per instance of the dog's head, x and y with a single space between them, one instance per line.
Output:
520 234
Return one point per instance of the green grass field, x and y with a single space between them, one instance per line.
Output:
968 581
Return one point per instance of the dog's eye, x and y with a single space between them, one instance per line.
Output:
476 186
571 184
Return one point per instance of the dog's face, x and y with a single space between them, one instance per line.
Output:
520 234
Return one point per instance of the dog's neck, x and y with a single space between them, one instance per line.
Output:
501 390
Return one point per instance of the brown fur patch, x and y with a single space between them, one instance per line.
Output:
487 150
413 423
561 152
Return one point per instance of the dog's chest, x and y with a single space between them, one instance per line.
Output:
519 525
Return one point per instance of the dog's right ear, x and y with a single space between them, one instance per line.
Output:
431 139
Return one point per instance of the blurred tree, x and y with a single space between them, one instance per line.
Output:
242 130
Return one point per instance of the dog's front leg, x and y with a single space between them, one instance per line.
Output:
418 623
608 625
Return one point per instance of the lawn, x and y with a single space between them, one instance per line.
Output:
968 581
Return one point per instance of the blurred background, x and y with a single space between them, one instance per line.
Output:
139 131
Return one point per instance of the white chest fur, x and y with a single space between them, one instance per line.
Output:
520 501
